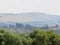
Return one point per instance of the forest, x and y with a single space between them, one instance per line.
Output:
36 37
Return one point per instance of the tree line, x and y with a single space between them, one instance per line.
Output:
37 37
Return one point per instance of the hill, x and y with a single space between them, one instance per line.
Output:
36 18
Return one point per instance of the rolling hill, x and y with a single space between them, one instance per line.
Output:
36 18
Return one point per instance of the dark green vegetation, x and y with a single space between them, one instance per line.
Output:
37 37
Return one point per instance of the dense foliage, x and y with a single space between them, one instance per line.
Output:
37 37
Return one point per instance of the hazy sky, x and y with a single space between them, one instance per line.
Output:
18 6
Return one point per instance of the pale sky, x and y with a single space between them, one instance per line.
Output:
20 6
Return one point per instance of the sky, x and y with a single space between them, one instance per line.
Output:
20 6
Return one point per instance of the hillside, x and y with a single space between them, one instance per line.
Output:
31 18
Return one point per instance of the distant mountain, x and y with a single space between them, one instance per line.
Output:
39 18
42 18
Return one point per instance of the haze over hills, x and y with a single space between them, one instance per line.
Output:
11 21
30 18
41 18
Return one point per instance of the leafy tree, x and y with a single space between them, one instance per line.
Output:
37 37
44 38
